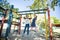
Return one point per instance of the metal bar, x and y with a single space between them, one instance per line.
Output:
32 13
31 10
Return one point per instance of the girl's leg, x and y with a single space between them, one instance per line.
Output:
31 28
35 28
27 29
24 30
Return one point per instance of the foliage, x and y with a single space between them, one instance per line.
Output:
42 4
55 3
15 15
41 23
56 20
5 5
39 4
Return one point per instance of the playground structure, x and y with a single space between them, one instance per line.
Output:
56 34
9 21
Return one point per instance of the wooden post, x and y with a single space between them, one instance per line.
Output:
2 22
2 25
49 24
51 37
19 29
9 22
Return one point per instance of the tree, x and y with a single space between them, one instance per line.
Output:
55 3
38 4
55 20
15 15
4 4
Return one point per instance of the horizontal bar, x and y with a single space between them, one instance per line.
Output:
33 13
1 8
32 10
24 11
57 25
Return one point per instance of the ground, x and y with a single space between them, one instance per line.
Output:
32 35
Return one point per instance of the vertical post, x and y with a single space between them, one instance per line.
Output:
49 24
3 19
30 17
19 29
9 22
51 37
2 25
14 27
46 33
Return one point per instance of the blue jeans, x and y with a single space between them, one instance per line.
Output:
26 27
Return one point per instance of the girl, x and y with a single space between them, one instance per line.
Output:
27 22
33 24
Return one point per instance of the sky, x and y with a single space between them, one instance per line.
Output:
22 5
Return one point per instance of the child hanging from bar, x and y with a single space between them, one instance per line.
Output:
33 24
27 25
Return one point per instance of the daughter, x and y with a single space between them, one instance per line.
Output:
27 25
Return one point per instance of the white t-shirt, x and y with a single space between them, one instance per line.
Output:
27 21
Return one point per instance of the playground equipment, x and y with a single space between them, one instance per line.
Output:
10 18
57 25
4 15
55 34
49 24
9 22
19 30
